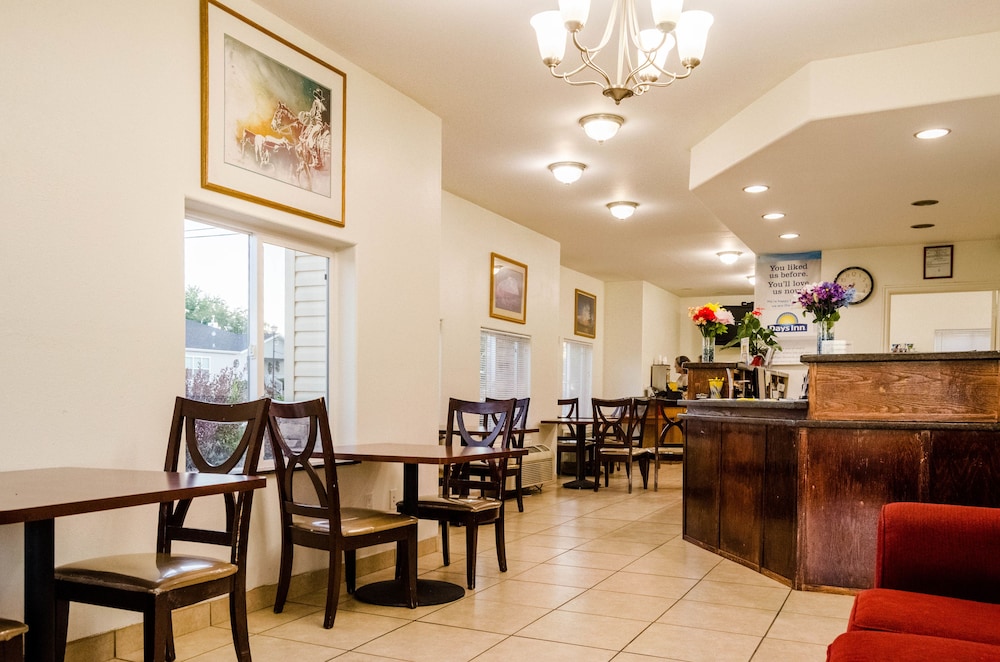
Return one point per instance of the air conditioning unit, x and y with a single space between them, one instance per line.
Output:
537 467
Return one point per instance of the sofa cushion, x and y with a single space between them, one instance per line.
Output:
862 646
888 610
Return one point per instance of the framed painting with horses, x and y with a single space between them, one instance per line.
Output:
273 119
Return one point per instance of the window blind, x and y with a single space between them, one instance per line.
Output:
577 377
504 365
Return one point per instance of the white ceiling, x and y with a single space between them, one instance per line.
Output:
846 180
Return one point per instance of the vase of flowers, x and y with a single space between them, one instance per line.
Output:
711 319
824 300
759 337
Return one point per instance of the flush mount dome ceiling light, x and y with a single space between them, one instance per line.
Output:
567 172
602 126
729 257
931 134
622 209
756 188
649 48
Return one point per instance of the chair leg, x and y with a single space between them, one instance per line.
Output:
171 651
501 544
333 587
350 569
471 541
656 471
155 634
238 621
517 491
445 546
628 474
644 471
284 575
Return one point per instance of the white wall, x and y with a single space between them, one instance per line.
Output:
106 154
469 235
642 323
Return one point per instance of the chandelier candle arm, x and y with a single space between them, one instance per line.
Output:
687 29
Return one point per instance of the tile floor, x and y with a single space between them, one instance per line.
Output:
591 578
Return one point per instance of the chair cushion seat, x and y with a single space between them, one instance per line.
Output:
149 573
890 610
623 452
862 646
10 629
471 504
356 522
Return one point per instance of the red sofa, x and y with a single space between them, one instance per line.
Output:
937 588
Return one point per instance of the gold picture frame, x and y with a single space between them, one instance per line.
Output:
585 314
508 289
273 119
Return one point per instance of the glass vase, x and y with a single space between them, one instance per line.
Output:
824 331
707 349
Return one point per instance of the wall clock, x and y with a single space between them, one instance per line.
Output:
858 278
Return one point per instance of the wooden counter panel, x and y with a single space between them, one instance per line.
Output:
928 390
847 476
780 500
702 456
741 498
965 468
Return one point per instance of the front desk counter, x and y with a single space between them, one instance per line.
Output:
793 488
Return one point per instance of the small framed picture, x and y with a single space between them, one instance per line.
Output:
938 261
508 288
585 314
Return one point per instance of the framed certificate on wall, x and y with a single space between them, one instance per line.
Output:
938 261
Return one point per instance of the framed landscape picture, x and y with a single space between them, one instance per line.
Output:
272 119
508 288
585 314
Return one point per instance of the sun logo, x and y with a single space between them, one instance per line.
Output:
787 318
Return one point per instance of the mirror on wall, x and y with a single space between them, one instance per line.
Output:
952 321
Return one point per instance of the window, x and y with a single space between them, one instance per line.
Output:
504 365
256 317
578 366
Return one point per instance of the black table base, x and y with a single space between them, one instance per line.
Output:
392 593
580 484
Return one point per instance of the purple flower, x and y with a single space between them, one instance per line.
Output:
824 299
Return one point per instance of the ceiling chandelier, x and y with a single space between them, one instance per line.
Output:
651 46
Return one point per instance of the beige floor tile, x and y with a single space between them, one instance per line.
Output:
196 643
621 605
354 656
270 649
552 538
485 615
350 604
522 551
728 571
428 642
655 585
564 575
588 630
739 595
724 618
694 645
532 594
819 604
774 650
610 546
521 648
581 559
691 568
634 657
807 629
351 630
265 619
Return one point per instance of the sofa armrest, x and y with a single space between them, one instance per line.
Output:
940 549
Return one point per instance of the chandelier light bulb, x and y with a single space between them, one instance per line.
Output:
567 172
729 257
602 126
622 209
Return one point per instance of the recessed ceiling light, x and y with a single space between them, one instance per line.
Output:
923 203
729 257
789 235
622 209
931 134
567 172
922 226
773 216
756 188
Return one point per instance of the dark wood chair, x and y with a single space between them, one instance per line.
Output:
12 640
456 503
311 514
516 441
618 431
566 436
664 450
205 438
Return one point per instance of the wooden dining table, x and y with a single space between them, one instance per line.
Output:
36 497
579 426
429 591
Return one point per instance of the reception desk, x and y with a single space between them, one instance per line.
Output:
793 489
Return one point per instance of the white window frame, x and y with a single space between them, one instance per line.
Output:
498 351
578 373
